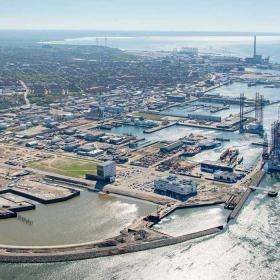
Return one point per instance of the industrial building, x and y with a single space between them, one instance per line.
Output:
176 98
202 117
213 166
171 147
176 188
256 58
227 177
95 113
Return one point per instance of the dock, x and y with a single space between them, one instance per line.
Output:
158 128
265 190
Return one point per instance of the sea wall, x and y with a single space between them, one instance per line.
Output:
45 255
73 194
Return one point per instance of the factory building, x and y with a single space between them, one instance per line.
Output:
227 177
207 144
256 58
201 117
171 147
95 113
31 144
212 166
176 188
71 147
176 98
93 136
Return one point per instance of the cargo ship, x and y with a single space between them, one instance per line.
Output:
191 151
229 155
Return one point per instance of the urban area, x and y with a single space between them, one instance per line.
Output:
178 129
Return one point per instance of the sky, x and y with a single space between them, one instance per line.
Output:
156 15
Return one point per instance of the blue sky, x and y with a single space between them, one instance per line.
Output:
169 15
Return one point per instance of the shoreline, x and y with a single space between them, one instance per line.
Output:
74 252
88 253
138 236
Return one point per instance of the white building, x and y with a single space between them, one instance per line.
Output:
174 187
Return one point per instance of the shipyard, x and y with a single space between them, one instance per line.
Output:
201 132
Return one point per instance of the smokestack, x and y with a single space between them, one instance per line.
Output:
255 46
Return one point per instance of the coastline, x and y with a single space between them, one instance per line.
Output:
49 254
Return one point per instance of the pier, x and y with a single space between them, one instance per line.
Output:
270 192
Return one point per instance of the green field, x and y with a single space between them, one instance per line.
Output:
66 166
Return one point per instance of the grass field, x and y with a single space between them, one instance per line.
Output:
66 166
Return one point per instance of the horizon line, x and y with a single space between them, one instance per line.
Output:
263 33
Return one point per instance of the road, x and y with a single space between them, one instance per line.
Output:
27 91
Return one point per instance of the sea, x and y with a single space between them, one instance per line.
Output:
248 249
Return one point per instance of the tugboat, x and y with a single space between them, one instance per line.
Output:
272 194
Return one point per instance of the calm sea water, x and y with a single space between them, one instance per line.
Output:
89 217
248 250
241 46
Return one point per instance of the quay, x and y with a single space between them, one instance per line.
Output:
158 128
206 127
73 193
127 241
46 254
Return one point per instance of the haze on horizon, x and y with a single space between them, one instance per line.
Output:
148 15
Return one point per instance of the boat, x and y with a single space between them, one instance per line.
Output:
273 166
272 194
252 84
191 151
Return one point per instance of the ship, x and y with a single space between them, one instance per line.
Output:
252 84
191 151
273 166
272 194
229 155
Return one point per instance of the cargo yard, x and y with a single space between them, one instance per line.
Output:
193 143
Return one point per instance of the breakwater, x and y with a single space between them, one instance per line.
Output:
73 194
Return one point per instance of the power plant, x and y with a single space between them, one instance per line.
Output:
256 58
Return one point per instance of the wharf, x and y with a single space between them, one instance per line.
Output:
239 205
262 144
6 214
206 127
110 247
150 197
216 86
259 174
158 128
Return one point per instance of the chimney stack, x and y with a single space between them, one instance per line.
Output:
255 46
